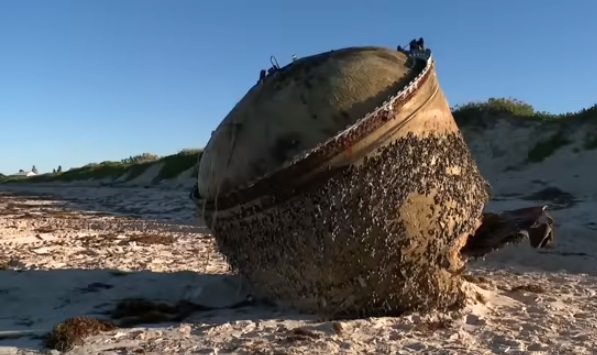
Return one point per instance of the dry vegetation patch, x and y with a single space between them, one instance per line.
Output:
533 288
434 325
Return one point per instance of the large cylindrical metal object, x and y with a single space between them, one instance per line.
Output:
329 197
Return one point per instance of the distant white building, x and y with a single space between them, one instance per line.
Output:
24 173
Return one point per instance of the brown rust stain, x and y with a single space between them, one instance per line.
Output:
359 84
381 122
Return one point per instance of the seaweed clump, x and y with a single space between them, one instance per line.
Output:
73 331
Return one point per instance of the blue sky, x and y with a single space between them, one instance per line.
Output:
91 80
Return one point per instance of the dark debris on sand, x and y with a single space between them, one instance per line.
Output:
511 227
73 331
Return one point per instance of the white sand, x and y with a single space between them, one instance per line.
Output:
61 254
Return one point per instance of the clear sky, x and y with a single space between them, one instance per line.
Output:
91 80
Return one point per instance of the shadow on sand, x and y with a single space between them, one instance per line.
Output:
33 302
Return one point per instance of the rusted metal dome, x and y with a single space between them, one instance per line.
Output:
341 185
299 107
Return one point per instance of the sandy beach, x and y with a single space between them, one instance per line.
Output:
79 251
353 161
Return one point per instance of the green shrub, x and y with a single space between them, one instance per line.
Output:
546 148
474 113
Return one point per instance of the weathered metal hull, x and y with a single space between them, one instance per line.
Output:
370 223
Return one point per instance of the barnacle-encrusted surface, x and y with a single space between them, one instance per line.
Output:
371 223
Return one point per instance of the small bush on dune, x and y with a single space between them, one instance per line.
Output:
140 159
474 113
